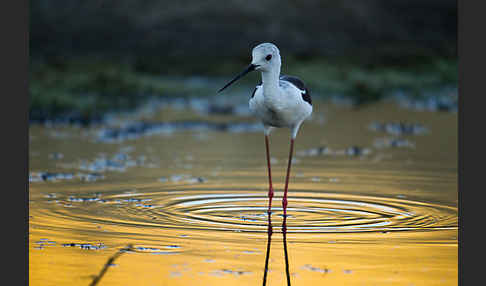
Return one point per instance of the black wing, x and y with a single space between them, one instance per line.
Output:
293 80
256 87
253 93
300 85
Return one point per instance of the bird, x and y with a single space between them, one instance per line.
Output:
278 101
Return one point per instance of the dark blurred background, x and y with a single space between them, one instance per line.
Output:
91 56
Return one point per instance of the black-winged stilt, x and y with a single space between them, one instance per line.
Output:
278 101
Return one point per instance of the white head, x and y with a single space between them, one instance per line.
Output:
265 57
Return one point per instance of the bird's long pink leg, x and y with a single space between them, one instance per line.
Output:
270 188
284 200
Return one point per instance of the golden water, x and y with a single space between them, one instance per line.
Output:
389 217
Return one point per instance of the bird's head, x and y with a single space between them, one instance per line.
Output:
264 57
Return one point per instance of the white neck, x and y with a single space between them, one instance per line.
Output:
270 80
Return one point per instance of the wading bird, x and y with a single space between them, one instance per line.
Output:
278 101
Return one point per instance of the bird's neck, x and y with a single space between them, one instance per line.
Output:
270 81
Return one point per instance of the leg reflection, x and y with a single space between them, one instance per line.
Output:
269 242
284 231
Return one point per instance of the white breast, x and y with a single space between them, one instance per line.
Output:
285 109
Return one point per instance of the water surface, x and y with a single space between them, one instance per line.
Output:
366 206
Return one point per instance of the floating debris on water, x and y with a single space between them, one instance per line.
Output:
134 200
196 180
398 128
244 218
87 246
323 150
56 156
118 162
229 271
353 151
146 249
357 151
393 143
186 178
145 206
47 176
251 252
221 109
153 250
165 252
211 105
92 199
315 269
52 177
91 177
43 242
135 130
177 178
72 120
102 165
446 100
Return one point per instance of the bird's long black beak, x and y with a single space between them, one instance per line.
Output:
248 69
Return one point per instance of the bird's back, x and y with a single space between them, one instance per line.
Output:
300 85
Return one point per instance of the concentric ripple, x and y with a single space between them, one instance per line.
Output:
245 211
308 212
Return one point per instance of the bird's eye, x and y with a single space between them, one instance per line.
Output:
268 57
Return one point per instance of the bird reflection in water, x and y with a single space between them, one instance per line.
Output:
269 243
284 231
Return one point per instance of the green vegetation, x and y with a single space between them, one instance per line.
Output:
89 87
366 83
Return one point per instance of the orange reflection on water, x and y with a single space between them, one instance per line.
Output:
386 218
